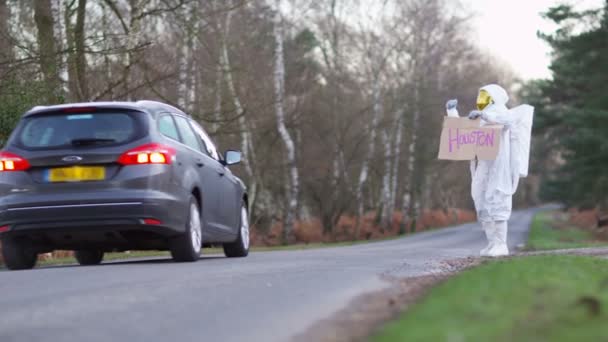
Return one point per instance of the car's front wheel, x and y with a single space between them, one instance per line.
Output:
240 248
89 257
187 246
18 254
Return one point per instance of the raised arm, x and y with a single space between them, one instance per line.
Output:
498 115
450 108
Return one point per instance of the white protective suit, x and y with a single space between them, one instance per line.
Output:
495 181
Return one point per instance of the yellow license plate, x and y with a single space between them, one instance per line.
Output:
77 174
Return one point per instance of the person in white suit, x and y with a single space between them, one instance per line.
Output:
495 181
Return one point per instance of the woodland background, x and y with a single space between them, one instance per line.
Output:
336 104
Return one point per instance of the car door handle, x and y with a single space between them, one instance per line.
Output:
200 163
221 173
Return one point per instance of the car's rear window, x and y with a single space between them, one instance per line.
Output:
65 129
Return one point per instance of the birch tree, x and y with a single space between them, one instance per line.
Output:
279 89
246 141
186 56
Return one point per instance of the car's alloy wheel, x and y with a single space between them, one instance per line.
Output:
88 257
18 254
240 247
196 232
187 247
244 228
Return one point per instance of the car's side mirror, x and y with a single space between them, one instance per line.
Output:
232 157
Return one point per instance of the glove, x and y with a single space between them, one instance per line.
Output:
451 104
474 115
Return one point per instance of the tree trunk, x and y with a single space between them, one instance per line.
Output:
43 16
72 73
107 60
76 61
246 142
58 20
217 108
405 208
132 41
81 61
219 71
6 48
411 166
184 57
385 197
396 156
377 109
391 170
182 89
279 88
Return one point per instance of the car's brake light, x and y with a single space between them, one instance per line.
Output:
148 154
79 109
152 222
12 162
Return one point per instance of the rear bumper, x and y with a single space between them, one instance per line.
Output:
106 224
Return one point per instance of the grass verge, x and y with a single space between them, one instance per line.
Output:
148 254
106 257
539 298
551 231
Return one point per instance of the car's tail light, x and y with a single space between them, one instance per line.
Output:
148 154
4 229
12 162
79 109
153 222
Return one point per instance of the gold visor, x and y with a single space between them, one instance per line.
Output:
483 99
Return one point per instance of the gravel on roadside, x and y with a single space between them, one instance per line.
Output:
366 313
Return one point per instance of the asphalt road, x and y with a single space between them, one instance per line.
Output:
269 296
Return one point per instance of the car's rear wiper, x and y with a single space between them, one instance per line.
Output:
91 141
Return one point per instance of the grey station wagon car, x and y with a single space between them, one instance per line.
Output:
114 176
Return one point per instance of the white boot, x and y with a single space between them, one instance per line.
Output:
488 230
499 238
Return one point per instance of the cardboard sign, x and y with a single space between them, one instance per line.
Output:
465 139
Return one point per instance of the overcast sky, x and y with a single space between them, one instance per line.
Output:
508 30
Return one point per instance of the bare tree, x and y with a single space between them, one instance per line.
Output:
75 33
43 16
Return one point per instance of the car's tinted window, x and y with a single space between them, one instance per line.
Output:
63 129
188 136
209 146
166 126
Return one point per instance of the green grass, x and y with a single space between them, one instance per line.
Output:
147 254
206 251
319 245
106 257
526 299
544 235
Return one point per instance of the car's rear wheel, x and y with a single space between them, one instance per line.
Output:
240 248
187 246
88 257
18 254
